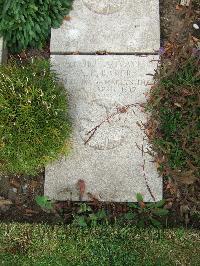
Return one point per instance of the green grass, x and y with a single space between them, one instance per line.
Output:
25 244
175 107
34 123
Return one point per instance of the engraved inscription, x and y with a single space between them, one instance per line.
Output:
113 75
105 7
99 90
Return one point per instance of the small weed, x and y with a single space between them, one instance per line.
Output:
143 214
83 216
86 217
45 203
140 214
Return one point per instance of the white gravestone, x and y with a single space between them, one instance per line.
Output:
115 26
1 50
109 150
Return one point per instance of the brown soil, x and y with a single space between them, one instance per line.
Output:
21 191
168 18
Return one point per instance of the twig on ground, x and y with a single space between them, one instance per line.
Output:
144 174
119 110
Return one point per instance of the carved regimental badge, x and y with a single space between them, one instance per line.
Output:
104 7
106 126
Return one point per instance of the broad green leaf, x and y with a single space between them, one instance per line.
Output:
44 202
132 205
155 222
129 216
139 197
158 204
160 212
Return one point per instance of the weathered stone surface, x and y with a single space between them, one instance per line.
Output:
116 26
2 51
105 94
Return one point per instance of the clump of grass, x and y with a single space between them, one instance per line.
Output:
34 123
175 123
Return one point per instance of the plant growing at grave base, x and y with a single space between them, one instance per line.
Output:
45 203
34 124
140 214
143 214
28 23
86 217
83 216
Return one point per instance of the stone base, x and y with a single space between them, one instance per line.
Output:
109 152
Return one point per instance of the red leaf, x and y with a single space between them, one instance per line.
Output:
81 187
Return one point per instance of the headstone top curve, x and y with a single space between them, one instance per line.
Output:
104 7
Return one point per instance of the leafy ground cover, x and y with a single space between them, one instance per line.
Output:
175 109
26 24
25 244
174 127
